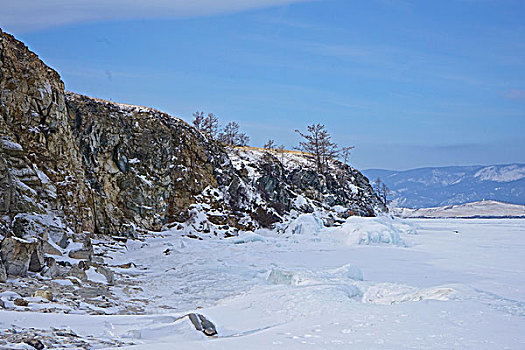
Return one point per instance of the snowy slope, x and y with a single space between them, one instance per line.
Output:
432 187
483 209
373 283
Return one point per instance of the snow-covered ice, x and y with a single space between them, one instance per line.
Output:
482 209
372 283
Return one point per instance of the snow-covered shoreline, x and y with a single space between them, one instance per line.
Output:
451 284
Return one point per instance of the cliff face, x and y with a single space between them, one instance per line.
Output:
72 166
40 167
143 166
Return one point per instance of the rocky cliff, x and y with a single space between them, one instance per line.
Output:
72 167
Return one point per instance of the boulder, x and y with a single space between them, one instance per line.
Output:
37 260
21 302
110 277
3 273
78 272
35 343
64 241
50 249
20 255
83 254
46 294
51 269
202 324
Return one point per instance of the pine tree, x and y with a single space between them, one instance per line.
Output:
198 118
232 136
243 139
230 133
270 145
210 125
318 144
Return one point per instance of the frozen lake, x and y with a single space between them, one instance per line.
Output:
371 284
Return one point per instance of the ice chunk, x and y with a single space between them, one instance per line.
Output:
248 237
358 230
305 224
341 275
346 271
278 276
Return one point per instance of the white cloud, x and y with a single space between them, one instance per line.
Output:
28 15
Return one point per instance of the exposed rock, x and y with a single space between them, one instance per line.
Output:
3 273
343 185
14 337
35 343
46 294
126 266
83 253
51 269
145 166
78 272
21 255
98 260
37 260
202 324
21 302
72 166
110 277
44 167
49 249
64 241
47 226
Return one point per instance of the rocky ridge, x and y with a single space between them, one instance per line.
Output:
73 168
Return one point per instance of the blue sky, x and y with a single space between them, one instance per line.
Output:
408 83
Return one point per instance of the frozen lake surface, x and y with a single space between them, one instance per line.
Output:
370 284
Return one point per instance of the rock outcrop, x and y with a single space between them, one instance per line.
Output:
41 168
72 167
20 255
143 166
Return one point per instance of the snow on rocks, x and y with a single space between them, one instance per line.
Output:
95 276
9 145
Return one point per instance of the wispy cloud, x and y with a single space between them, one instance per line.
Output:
515 94
28 15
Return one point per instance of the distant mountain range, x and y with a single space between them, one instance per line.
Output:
483 209
433 187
